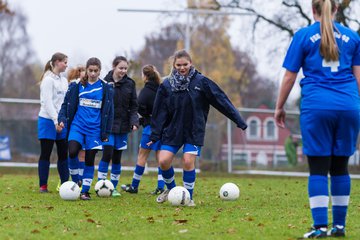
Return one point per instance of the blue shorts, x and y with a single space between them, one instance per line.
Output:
329 132
188 148
118 141
145 138
87 142
47 130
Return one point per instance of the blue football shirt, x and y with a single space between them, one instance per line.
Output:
87 119
326 85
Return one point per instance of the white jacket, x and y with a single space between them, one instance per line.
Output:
52 93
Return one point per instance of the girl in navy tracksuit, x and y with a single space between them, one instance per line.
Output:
329 55
52 92
179 118
88 113
146 100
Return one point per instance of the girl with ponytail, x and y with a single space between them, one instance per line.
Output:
329 55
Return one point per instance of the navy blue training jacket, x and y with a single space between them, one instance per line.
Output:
180 117
71 102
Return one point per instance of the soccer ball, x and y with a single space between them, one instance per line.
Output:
229 192
179 196
104 188
69 191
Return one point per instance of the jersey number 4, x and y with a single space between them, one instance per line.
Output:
333 65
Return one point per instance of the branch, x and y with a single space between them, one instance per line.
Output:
302 13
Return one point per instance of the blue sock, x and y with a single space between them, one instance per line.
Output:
74 168
161 183
88 177
168 176
189 181
81 169
115 174
319 199
63 169
138 172
103 170
340 194
43 169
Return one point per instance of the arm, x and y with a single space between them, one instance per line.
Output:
159 114
62 117
47 98
285 89
134 118
218 99
111 113
356 71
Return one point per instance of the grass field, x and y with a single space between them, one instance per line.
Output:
268 208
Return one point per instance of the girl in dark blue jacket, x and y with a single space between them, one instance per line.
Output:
88 113
179 118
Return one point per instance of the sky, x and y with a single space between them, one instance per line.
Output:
92 28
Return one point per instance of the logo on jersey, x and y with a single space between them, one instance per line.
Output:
197 88
90 103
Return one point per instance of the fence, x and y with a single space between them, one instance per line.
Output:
262 147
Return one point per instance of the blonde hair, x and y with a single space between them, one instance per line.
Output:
74 73
328 46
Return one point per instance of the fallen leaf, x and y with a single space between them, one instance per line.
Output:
231 230
180 221
183 231
150 219
35 231
90 220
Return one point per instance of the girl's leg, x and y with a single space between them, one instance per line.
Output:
46 146
189 174
140 166
160 182
165 162
73 161
116 167
81 157
62 164
340 189
105 161
88 170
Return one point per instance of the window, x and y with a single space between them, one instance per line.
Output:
270 131
254 128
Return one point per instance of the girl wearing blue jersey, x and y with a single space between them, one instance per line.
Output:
125 120
146 100
87 112
52 91
329 55
179 118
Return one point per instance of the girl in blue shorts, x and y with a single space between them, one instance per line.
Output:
179 119
52 92
88 113
146 100
329 55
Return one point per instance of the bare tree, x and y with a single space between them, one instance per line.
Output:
15 47
4 8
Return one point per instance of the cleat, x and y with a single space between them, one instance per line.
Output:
316 233
128 188
85 196
43 189
337 231
79 183
191 203
163 196
58 186
115 193
157 191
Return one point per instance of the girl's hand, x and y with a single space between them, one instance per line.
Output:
280 117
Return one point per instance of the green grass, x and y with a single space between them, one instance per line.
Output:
268 208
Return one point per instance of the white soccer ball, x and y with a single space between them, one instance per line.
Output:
104 188
179 196
229 192
69 191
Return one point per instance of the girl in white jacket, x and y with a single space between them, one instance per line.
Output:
53 88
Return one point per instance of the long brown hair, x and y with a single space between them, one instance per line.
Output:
50 64
151 73
91 62
328 46
74 73
181 54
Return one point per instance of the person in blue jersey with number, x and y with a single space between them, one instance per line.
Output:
179 119
146 100
53 88
87 112
125 120
329 55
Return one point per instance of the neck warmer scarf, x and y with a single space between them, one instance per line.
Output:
178 82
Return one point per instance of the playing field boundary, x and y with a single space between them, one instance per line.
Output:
282 173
